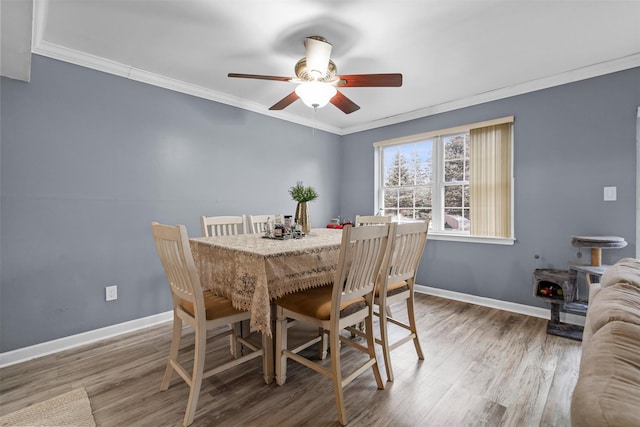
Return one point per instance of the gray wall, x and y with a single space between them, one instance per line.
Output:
570 142
88 160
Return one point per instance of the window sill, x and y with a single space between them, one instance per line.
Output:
433 235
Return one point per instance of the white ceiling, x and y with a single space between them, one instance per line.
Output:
451 53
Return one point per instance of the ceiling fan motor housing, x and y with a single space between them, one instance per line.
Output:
304 74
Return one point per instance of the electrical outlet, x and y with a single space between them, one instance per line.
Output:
610 194
111 293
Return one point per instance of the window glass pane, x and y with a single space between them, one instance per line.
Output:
456 221
407 179
456 157
465 197
405 198
456 210
396 171
453 196
419 161
454 170
390 198
467 168
423 214
408 164
423 197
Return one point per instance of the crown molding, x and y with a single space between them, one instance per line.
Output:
583 73
82 59
101 64
61 53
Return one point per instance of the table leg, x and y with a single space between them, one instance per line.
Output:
269 365
269 349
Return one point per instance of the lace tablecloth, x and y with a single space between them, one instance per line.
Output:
251 270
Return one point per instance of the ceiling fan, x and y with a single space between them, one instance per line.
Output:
318 82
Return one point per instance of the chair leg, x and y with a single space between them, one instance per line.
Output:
371 347
360 327
196 377
237 330
323 345
384 338
281 345
173 352
337 376
414 329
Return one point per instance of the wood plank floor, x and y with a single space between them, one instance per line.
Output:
482 367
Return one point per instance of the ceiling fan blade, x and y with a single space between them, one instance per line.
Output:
284 102
260 77
343 103
318 52
370 80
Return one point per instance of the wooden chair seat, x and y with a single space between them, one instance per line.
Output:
216 307
316 303
394 288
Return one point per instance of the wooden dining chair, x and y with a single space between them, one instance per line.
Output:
398 285
347 302
223 225
258 223
371 220
202 311
363 220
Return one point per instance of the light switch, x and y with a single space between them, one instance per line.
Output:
609 194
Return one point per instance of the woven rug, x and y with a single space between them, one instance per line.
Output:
69 409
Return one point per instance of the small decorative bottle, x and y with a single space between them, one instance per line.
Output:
268 229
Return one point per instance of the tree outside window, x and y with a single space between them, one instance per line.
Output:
407 180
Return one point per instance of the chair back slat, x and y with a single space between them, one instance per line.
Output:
258 223
371 220
406 251
172 244
362 253
223 225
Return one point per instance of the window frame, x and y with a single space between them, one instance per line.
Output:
438 232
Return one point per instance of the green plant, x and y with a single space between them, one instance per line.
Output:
300 193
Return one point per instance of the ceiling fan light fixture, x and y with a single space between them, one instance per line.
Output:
315 94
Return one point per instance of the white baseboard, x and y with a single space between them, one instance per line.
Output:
49 347
544 313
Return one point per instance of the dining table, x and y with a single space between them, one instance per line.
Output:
252 270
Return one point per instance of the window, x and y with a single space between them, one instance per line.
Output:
459 178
